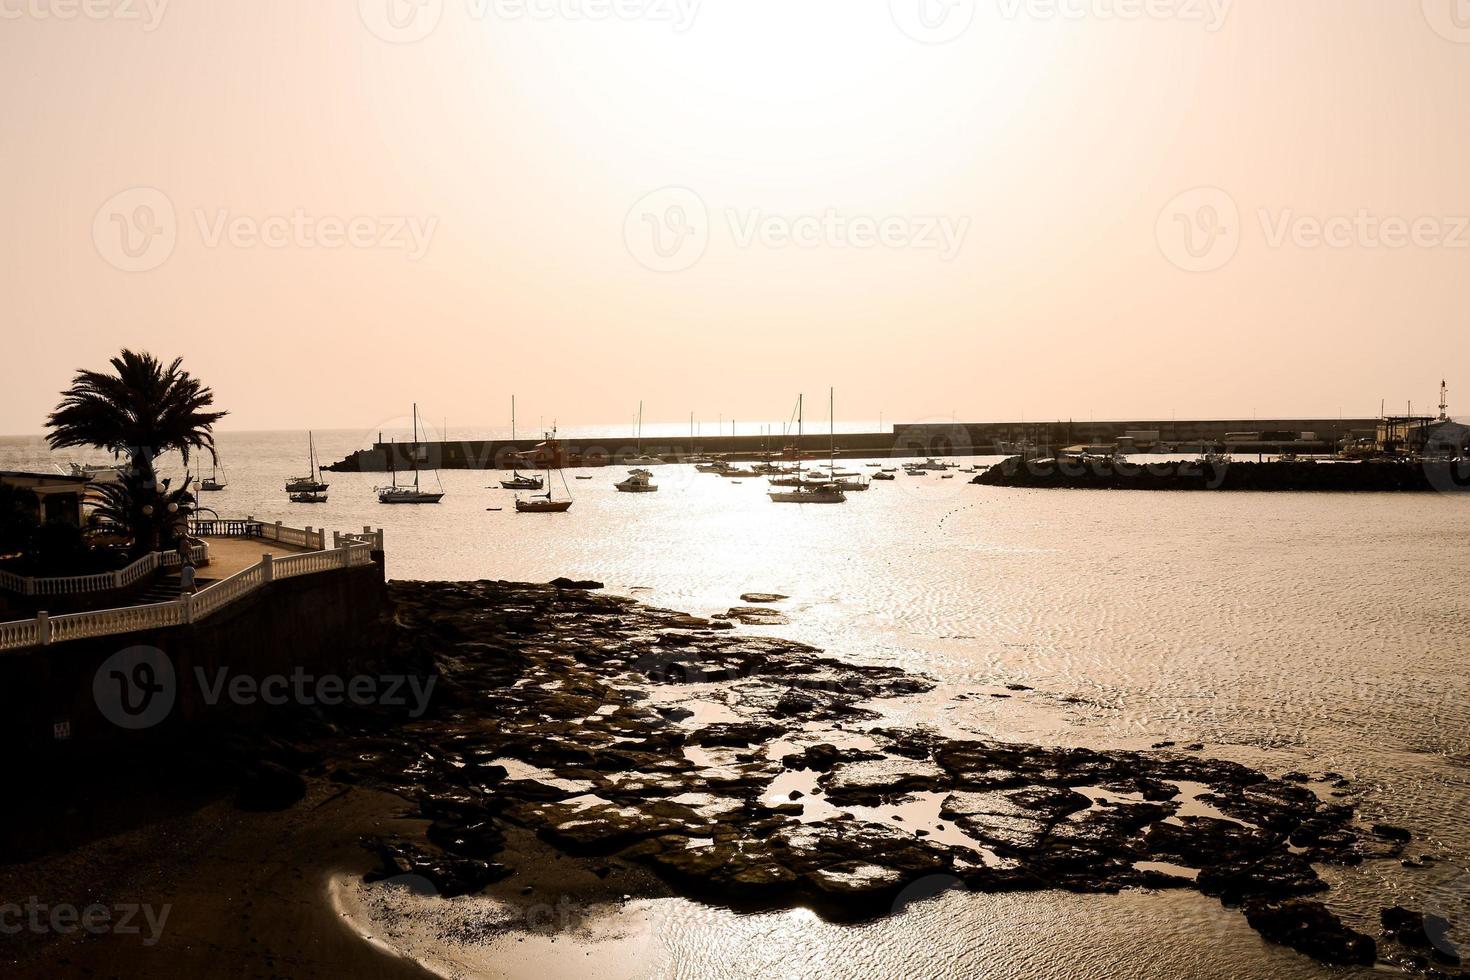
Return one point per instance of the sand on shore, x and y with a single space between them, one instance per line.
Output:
237 894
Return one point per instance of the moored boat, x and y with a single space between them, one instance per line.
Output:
638 481
415 494
804 492
312 482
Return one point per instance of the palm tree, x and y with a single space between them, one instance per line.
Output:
153 520
142 409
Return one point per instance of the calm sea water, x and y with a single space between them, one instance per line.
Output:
1303 631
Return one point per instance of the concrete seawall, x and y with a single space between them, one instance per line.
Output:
329 622
906 440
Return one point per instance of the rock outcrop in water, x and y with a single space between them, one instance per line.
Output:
1102 473
755 772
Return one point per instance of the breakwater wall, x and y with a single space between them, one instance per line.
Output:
475 454
906 440
1071 473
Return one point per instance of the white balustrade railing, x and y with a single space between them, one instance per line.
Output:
25 633
105 622
295 536
44 629
102 581
227 590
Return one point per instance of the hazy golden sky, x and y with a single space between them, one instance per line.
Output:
1048 208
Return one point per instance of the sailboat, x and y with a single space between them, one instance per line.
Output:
640 459
212 483
542 503
312 482
803 493
410 495
517 481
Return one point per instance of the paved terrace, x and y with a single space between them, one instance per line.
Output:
230 555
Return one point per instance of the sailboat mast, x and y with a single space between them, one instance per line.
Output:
414 454
799 410
640 429
832 427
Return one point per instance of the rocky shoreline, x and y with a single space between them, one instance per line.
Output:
1104 473
754 773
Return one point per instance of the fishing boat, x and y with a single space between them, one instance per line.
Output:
640 459
307 497
312 482
415 494
638 481
543 503
518 481
824 493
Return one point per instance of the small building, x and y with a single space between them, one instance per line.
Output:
1446 438
54 496
1402 433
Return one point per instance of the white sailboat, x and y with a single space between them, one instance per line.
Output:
312 482
640 459
543 503
804 493
212 483
395 494
518 481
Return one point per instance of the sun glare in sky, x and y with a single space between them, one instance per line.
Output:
1001 210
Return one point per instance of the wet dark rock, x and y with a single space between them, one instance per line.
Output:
578 685
794 703
735 734
1273 876
584 584
448 877
756 616
759 597
1420 931
1311 928
1391 833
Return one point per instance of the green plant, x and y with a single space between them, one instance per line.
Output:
140 410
